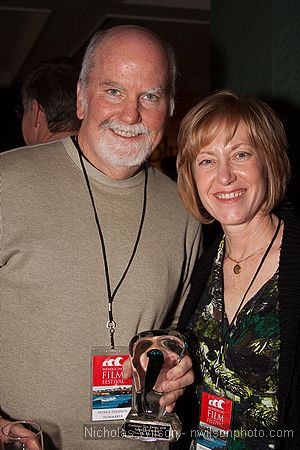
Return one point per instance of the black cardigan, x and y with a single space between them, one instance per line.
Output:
289 316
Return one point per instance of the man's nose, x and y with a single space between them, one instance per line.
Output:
130 112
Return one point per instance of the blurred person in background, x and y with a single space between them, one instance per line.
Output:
48 109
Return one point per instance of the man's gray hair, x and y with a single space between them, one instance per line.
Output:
89 62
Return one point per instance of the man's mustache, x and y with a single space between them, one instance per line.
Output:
115 125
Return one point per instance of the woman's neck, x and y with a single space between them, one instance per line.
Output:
243 240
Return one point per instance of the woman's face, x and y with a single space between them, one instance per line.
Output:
231 178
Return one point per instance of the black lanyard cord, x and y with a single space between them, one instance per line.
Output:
223 336
111 324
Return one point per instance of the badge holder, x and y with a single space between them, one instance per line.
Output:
214 424
110 393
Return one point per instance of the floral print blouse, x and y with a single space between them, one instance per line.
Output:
246 371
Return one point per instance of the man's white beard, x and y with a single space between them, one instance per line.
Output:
121 153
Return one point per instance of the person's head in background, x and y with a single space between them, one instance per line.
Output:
49 101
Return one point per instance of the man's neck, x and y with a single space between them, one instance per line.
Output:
116 172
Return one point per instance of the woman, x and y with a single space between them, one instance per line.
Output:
243 311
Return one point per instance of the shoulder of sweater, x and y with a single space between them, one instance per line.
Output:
290 217
164 187
161 179
166 193
204 263
28 151
291 235
199 278
290 249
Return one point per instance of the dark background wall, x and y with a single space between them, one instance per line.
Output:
255 47
11 134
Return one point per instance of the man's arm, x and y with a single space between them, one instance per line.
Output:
193 250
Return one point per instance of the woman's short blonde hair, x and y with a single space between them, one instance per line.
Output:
265 132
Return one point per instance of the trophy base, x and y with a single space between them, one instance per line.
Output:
149 429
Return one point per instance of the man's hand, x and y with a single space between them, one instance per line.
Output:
178 378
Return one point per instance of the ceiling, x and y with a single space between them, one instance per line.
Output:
34 30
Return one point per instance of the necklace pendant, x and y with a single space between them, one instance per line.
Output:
237 269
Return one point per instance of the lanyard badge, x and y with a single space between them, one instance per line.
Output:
214 424
110 393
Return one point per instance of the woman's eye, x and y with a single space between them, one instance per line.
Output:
204 162
242 155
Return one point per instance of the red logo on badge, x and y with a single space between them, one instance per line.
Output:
215 411
108 370
116 361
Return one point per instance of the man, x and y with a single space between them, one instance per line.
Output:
49 101
95 244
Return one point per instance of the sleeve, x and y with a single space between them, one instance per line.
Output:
193 250
198 281
1 227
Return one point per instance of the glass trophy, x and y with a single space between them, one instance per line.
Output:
152 354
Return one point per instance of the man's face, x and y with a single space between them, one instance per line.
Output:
125 105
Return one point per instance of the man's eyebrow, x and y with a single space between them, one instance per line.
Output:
111 83
156 90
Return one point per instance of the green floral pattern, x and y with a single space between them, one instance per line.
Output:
247 370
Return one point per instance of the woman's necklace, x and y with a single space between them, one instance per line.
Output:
237 268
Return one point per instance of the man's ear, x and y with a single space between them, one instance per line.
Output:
36 112
80 102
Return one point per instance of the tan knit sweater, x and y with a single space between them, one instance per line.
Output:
53 290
